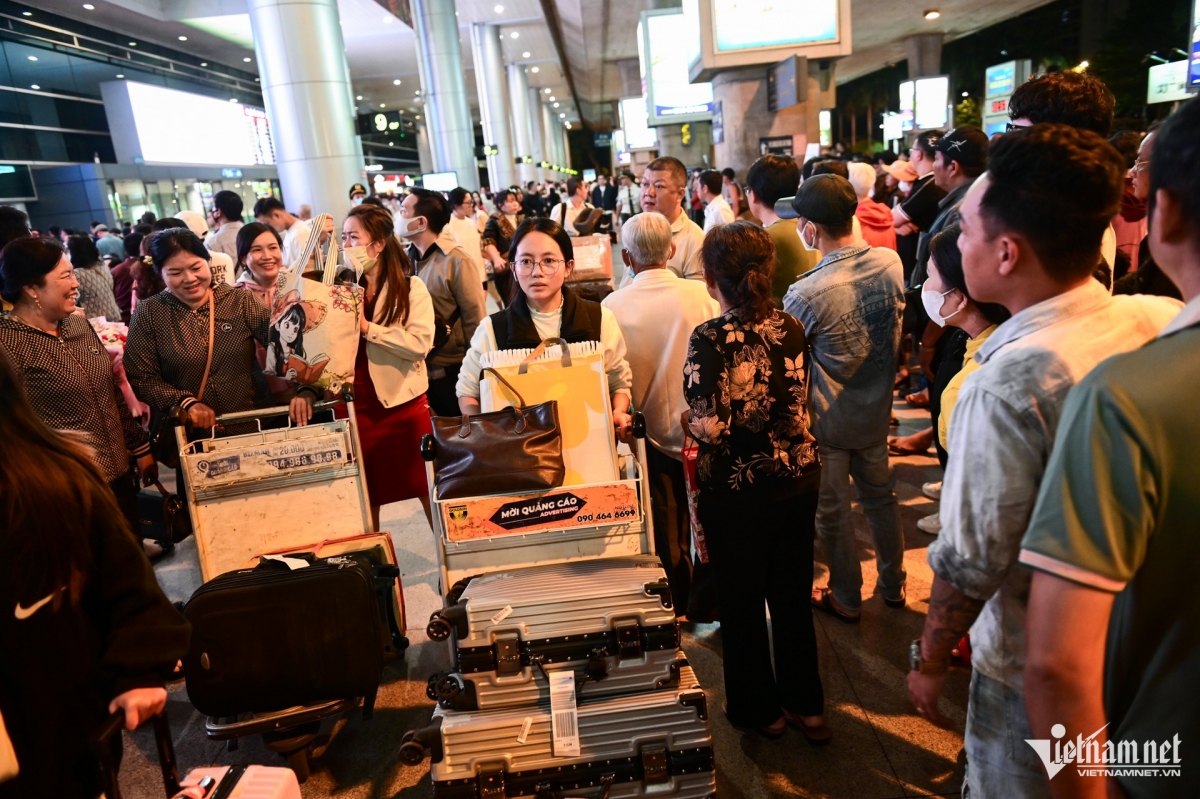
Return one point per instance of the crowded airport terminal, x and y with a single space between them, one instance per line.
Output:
599 399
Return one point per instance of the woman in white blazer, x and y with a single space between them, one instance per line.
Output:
390 379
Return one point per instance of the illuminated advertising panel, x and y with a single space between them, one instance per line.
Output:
638 133
932 103
670 97
1167 83
754 24
440 181
825 122
1001 79
907 105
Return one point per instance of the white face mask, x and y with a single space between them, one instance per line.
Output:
905 186
810 247
933 302
407 227
357 259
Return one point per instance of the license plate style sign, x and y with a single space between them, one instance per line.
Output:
259 460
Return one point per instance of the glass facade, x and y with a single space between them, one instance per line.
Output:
129 199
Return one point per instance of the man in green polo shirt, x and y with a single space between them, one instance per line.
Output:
1113 630
770 179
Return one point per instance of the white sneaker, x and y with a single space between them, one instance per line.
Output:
932 490
930 524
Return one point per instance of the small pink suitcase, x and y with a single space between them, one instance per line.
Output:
248 782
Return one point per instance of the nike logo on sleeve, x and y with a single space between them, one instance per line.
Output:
23 613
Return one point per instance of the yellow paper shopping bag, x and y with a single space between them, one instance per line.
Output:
574 375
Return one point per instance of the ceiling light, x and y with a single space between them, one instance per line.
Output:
396 82
562 116
391 145
35 86
525 54
552 98
133 44
358 97
27 13
183 38
547 90
418 116
932 13
246 59
33 58
568 125
417 92
121 75
233 99
556 105
499 9
203 63
89 6
256 80
966 94
535 70
515 35
383 105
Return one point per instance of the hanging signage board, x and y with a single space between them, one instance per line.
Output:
670 97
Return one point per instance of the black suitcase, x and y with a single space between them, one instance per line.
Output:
271 638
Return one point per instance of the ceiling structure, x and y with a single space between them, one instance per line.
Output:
586 54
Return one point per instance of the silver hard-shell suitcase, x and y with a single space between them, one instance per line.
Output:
610 621
650 744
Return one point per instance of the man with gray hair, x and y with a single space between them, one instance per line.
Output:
657 312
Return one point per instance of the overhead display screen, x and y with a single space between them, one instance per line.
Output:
638 134
749 24
228 134
671 98
907 105
440 181
933 99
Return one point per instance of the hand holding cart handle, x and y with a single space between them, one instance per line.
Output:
166 754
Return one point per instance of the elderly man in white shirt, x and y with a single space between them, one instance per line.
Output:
657 312
717 211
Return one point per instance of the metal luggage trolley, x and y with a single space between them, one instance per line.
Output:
488 533
270 491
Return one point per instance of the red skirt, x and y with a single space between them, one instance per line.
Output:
390 439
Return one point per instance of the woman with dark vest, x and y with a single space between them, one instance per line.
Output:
541 257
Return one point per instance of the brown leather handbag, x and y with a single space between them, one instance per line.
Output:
515 449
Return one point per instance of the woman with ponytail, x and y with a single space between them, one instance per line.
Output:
390 378
746 384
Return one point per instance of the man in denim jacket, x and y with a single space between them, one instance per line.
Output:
850 305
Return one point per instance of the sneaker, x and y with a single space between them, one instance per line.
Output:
930 524
932 490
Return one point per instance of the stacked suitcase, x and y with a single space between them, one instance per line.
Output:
565 677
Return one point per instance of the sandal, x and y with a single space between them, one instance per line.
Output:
918 399
895 448
818 735
822 599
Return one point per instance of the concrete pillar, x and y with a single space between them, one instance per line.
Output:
924 51
743 97
537 135
306 87
550 137
492 88
518 103
424 152
447 113
565 138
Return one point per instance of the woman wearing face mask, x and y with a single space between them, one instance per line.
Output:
497 238
948 304
390 378
259 261
167 356
543 307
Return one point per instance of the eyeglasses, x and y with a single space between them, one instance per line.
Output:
1011 126
550 266
1138 166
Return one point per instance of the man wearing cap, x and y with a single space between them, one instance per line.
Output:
850 304
959 157
358 193
109 245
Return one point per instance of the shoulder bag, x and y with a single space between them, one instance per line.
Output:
518 448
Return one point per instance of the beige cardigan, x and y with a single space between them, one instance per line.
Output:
396 354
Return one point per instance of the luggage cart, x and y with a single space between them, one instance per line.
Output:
475 535
278 490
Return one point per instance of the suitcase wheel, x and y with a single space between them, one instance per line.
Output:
439 628
448 687
430 687
412 751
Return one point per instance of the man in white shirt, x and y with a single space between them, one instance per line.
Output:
226 220
716 208
657 312
463 225
663 186
627 198
271 212
566 212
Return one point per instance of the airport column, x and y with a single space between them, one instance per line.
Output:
306 87
447 113
492 88
518 98
924 51
549 131
539 151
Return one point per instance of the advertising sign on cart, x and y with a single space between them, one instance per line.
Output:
492 516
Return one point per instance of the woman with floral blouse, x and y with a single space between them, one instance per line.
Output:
746 383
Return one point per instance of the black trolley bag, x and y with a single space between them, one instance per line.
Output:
653 744
285 634
609 621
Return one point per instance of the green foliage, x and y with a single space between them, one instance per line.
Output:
967 113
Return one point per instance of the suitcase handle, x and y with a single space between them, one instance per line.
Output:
544 791
162 739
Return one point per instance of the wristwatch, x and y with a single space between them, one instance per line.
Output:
918 664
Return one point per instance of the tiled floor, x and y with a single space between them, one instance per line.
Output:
880 748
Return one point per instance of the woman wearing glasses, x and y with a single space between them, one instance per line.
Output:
541 257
